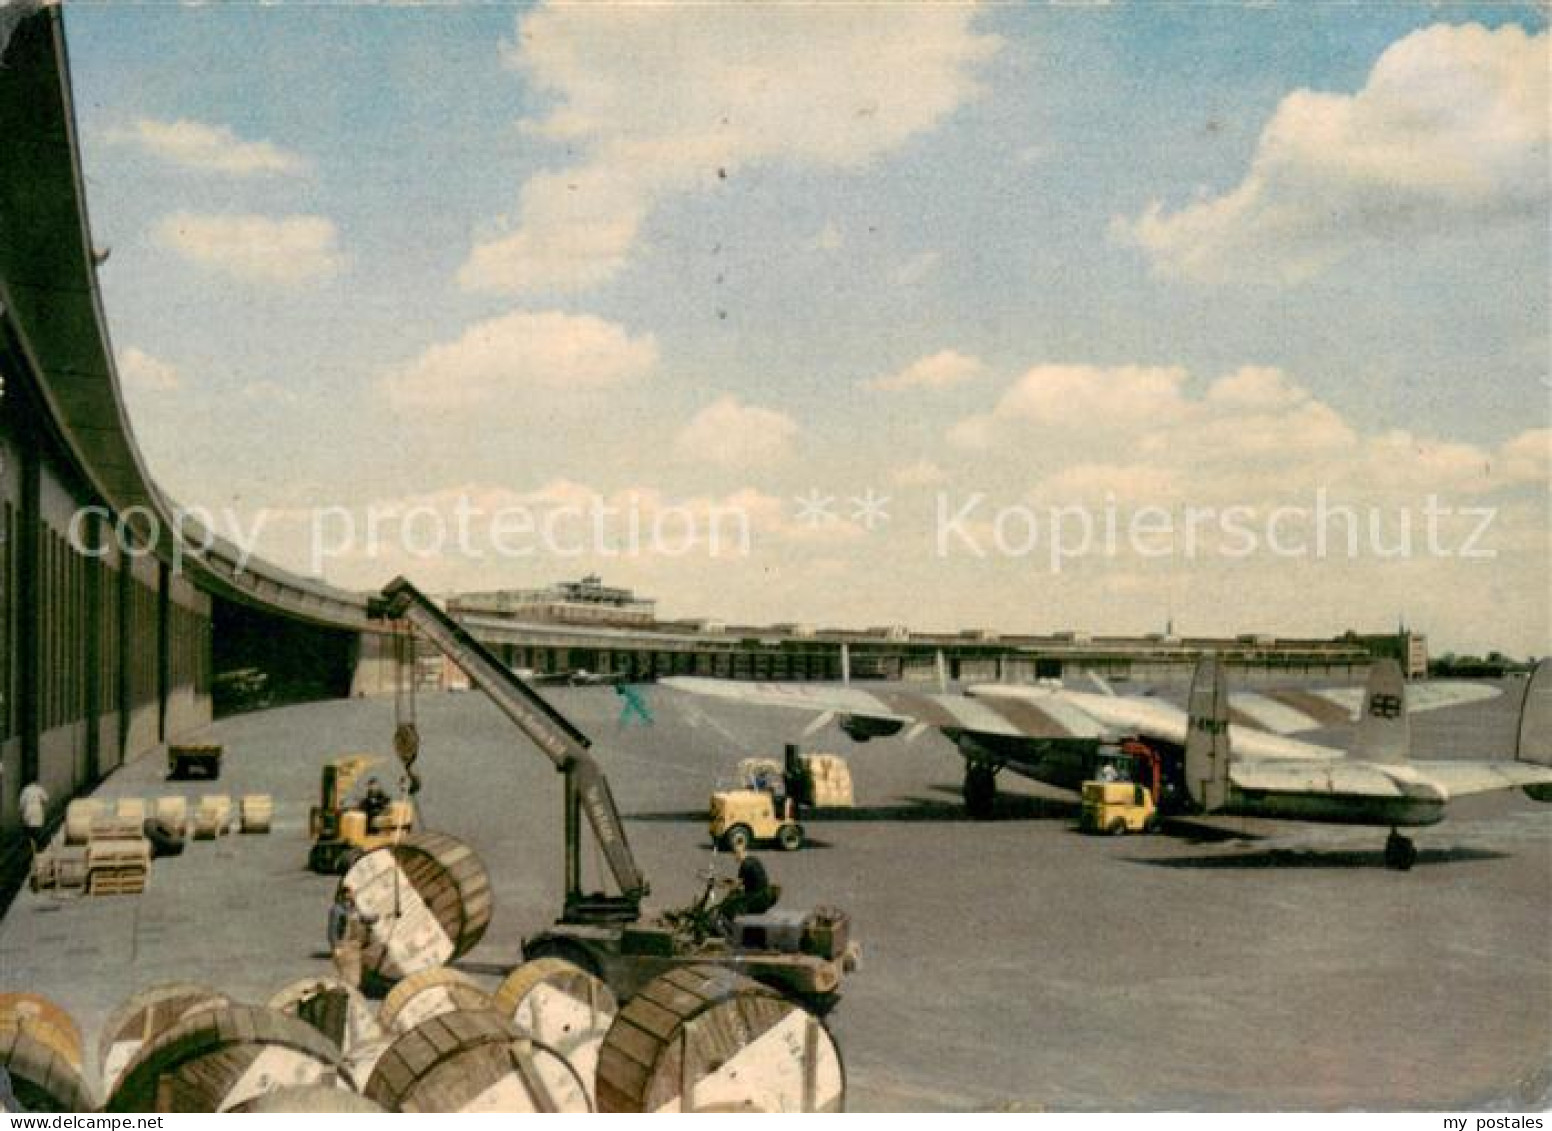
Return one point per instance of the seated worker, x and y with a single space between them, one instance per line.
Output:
755 893
375 801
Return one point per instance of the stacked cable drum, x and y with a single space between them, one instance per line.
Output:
40 1047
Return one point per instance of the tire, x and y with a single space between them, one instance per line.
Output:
323 860
1400 853
739 836
980 791
1153 824
1117 827
790 838
164 839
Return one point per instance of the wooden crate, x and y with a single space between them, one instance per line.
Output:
256 811
174 810
117 867
116 881
79 815
126 853
114 827
59 867
213 817
42 876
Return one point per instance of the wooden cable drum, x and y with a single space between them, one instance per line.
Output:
174 810
142 1017
256 811
311 1097
46 1021
215 1059
213 816
563 1006
702 1038
79 815
424 995
474 1061
355 1024
431 898
354 1028
41 1078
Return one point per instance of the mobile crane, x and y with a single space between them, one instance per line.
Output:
605 934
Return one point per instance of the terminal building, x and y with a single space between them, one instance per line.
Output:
588 626
585 602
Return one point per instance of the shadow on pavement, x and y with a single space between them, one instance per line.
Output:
1008 807
1314 858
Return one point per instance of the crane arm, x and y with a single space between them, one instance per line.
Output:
549 730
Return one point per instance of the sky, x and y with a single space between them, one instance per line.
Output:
1022 317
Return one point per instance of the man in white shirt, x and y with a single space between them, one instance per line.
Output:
34 802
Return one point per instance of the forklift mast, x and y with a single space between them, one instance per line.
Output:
587 790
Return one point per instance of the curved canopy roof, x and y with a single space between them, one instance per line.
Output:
50 302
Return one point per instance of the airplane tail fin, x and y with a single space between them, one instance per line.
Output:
1208 747
1384 727
1535 741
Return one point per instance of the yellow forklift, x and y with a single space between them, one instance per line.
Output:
1125 797
341 828
768 804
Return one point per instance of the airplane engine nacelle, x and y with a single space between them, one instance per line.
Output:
1539 792
860 729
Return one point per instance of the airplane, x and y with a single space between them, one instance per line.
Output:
1053 734
1374 783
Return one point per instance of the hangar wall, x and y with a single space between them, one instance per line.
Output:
106 652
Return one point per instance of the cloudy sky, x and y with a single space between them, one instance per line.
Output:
1026 317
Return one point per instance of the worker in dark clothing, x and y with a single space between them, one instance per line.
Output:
375 801
348 925
755 893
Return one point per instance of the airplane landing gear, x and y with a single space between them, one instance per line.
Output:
980 790
1400 852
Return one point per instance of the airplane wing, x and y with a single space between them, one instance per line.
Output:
1042 714
1461 778
1292 710
1423 779
1335 778
1151 718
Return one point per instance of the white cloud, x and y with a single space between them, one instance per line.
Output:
732 434
500 357
1449 133
195 145
458 537
280 250
1116 401
143 372
1528 457
1143 435
663 99
937 371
